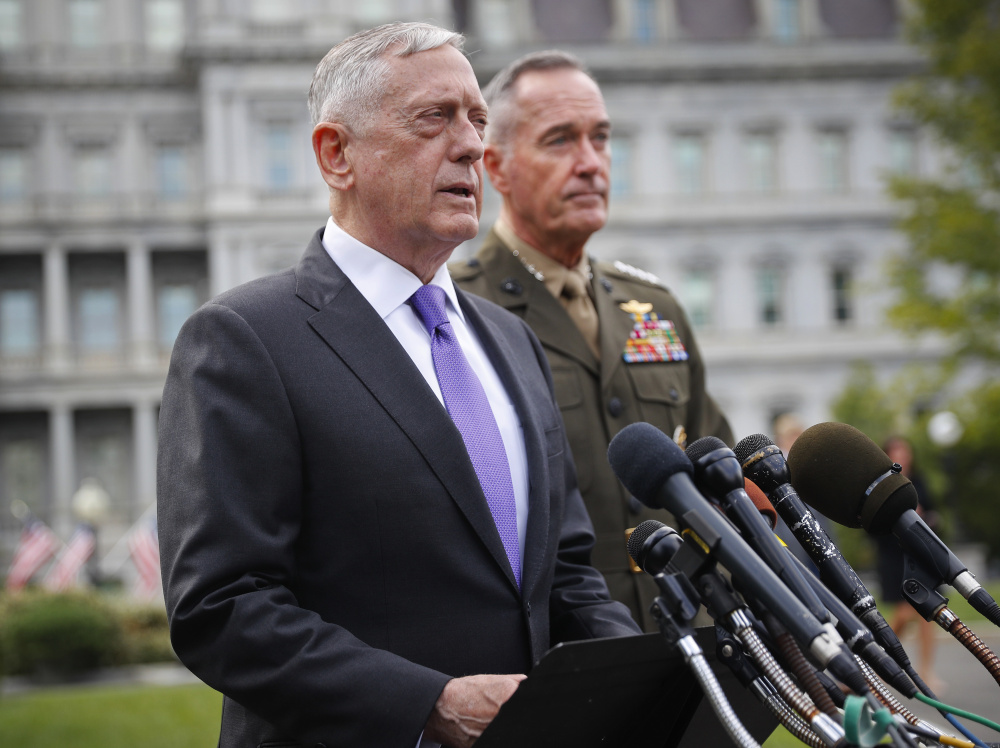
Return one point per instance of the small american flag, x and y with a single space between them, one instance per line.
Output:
145 550
65 570
37 545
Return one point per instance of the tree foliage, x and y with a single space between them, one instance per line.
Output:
948 279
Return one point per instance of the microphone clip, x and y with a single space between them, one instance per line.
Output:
676 606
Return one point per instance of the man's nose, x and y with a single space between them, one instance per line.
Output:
468 142
588 159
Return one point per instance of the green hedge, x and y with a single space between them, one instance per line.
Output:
49 635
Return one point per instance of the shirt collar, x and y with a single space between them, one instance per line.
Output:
384 283
553 272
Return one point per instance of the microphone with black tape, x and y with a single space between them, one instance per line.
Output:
718 475
658 473
764 464
841 472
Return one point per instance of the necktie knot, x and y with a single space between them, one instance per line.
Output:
575 286
429 302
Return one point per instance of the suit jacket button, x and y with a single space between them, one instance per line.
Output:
511 286
674 394
606 285
615 407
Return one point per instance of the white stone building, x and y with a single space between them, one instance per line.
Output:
156 152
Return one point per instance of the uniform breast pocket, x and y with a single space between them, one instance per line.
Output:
570 398
662 392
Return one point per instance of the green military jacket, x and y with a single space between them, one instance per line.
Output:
599 398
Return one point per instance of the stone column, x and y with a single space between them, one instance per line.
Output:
144 450
62 456
142 340
57 301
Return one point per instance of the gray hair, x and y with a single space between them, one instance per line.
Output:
499 92
348 83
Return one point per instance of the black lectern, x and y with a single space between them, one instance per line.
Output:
632 692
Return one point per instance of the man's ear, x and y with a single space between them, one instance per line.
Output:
330 142
496 165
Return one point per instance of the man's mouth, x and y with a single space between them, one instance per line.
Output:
460 191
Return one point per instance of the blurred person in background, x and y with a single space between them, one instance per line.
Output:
902 615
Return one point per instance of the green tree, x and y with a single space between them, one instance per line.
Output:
948 279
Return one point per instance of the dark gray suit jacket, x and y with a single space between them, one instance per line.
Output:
329 560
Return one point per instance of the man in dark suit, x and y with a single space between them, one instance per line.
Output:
620 346
369 521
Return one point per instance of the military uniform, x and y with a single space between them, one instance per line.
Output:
599 398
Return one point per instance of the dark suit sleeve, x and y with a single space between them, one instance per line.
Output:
230 509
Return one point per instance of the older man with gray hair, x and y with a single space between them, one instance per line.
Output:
369 522
620 346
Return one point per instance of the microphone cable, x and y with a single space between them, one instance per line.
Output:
950 622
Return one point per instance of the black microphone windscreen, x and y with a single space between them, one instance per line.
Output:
643 458
640 535
749 445
833 466
703 446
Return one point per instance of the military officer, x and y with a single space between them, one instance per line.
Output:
620 346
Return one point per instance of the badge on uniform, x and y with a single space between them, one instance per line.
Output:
652 339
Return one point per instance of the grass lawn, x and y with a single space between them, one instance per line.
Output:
112 717
175 716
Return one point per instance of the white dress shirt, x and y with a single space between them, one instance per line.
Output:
387 286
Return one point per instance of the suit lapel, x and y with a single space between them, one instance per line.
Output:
512 375
540 309
353 329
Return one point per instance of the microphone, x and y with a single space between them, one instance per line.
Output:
764 464
764 506
658 473
847 476
718 474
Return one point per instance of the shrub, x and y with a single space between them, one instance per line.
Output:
58 635
146 637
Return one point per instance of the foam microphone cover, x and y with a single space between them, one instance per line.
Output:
765 507
643 458
832 466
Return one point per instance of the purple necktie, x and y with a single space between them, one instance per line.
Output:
466 401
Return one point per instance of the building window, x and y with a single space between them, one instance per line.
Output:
92 170
99 314
171 171
19 322
833 161
11 20
621 166
495 22
699 296
164 25
902 152
643 20
278 158
689 163
762 163
841 283
787 20
22 465
13 174
86 23
769 296
174 304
